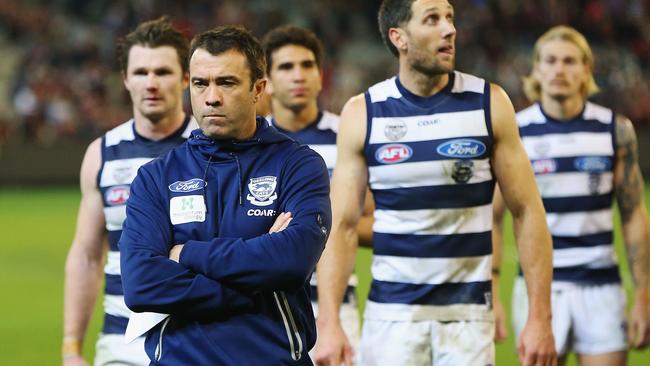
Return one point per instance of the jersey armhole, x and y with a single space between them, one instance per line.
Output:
366 140
488 113
98 179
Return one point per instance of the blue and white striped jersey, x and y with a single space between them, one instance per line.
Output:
430 174
320 136
573 162
123 152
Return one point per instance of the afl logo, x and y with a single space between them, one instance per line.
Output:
193 184
544 166
462 148
117 195
394 153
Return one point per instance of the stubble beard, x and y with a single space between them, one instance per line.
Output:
431 68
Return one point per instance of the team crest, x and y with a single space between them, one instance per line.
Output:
395 130
463 171
262 190
123 174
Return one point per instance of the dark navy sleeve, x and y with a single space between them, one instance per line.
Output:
153 282
278 261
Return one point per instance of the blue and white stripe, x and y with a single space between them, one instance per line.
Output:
573 162
123 151
320 136
432 231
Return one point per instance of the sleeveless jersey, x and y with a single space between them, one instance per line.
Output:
320 136
430 174
573 162
123 151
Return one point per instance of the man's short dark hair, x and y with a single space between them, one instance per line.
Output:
155 33
393 14
291 35
229 37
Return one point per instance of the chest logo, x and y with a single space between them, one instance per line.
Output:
544 166
393 153
123 174
592 164
191 185
262 190
117 195
185 209
462 148
395 130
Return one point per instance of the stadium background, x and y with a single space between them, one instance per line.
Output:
60 88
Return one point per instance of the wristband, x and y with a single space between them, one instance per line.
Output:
71 346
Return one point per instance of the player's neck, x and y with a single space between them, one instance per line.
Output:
562 108
158 129
294 120
419 83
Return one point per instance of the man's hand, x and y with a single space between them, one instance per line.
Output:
175 253
536 345
281 222
332 346
638 327
500 328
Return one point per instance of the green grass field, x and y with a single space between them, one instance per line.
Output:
37 225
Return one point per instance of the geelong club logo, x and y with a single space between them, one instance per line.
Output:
262 190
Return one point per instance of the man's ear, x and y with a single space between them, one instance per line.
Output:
398 38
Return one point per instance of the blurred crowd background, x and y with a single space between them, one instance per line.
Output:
60 82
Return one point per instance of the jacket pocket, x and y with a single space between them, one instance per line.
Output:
295 342
159 347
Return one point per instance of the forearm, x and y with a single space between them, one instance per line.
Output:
637 242
334 270
536 257
278 261
82 285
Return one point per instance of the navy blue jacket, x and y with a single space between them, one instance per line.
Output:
239 296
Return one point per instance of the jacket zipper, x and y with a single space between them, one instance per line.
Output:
159 347
289 325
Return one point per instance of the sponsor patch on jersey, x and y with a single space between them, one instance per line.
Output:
260 212
262 190
592 164
123 174
462 148
544 166
184 209
462 171
117 195
393 153
191 185
395 130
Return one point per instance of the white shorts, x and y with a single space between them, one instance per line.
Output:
112 351
427 343
589 320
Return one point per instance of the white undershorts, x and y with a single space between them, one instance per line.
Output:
589 320
111 350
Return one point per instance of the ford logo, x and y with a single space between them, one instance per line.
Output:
593 164
188 185
462 148
393 153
